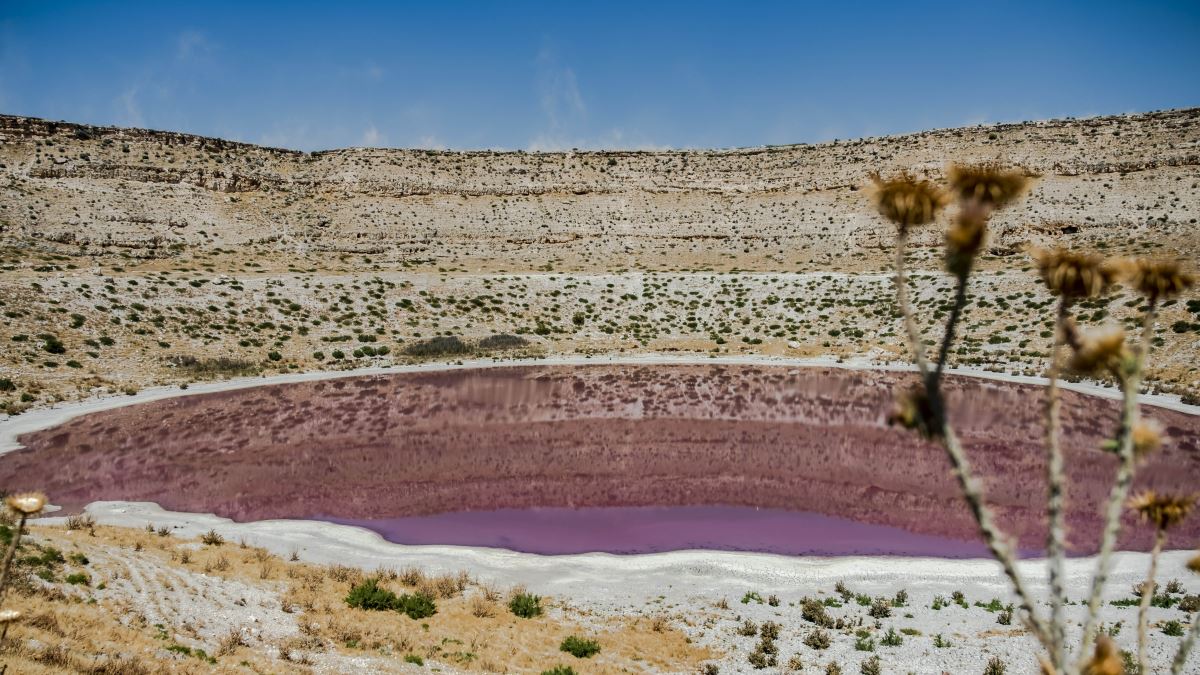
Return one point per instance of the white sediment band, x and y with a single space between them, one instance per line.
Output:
608 578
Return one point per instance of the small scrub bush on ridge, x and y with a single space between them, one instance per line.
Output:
368 595
818 639
438 347
580 648
567 670
501 341
525 605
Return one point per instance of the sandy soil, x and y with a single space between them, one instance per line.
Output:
689 586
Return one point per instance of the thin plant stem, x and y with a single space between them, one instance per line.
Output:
8 555
1160 538
1055 535
1185 647
960 302
969 485
1130 383
915 341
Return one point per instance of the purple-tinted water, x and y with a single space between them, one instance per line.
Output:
556 531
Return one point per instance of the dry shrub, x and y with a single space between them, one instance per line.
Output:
81 522
659 623
482 607
53 655
344 574
230 642
411 576
343 633
44 621
129 665
444 586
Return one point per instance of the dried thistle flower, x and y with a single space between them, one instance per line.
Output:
988 184
1147 437
9 616
908 201
1159 279
913 410
1105 660
1075 275
965 238
27 503
1162 510
1102 349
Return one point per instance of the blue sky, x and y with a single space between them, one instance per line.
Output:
553 75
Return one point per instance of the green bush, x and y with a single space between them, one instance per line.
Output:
417 606
414 659
52 344
580 648
368 595
78 578
559 670
503 341
525 605
438 346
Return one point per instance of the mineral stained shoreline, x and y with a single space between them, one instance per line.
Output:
413 444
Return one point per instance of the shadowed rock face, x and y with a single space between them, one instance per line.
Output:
670 435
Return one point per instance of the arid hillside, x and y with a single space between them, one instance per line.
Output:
156 194
131 257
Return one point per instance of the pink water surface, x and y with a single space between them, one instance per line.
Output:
651 529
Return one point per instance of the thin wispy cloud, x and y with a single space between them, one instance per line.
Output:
192 44
372 138
561 102
129 109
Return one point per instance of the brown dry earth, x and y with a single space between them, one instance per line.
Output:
515 437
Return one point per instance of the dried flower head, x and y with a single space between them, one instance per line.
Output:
9 616
1105 660
908 201
1096 351
988 184
965 238
1159 279
912 410
1194 564
1162 510
27 503
1147 437
1075 275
